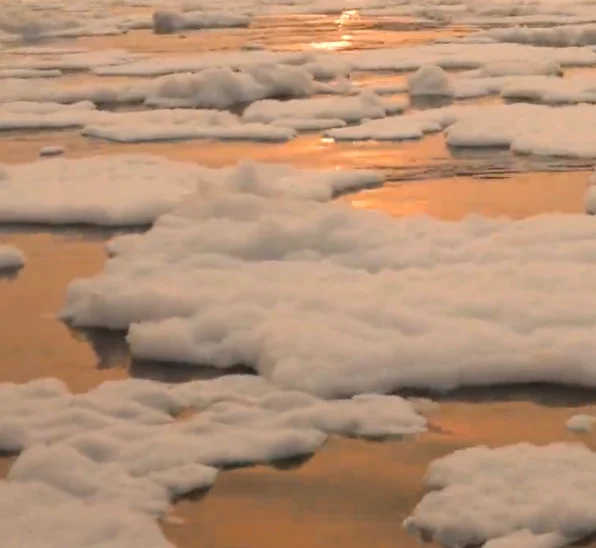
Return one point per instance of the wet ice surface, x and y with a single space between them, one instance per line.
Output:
323 73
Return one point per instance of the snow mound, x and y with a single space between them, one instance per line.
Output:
137 189
430 80
110 190
482 494
222 88
11 257
564 36
32 115
97 468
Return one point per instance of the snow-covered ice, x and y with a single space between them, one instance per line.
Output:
481 494
222 87
430 80
377 303
524 128
10 257
349 109
97 468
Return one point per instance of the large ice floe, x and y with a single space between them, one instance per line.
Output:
498 495
139 126
259 268
136 189
523 128
97 469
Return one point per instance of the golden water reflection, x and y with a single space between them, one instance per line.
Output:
521 195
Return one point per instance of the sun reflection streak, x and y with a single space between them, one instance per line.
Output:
346 39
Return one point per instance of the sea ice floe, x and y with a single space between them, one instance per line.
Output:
113 459
523 128
543 494
320 297
137 189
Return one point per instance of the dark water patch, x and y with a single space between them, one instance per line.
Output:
9 274
172 372
109 346
544 394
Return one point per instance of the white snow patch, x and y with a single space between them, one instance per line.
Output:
524 128
349 109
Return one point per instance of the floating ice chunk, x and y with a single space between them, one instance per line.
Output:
581 423
556 36
430 80
516 67
176 124
11 257
482 494
52 150
108 190
81 452
31 115
524 128
223 88
348 109
575 89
